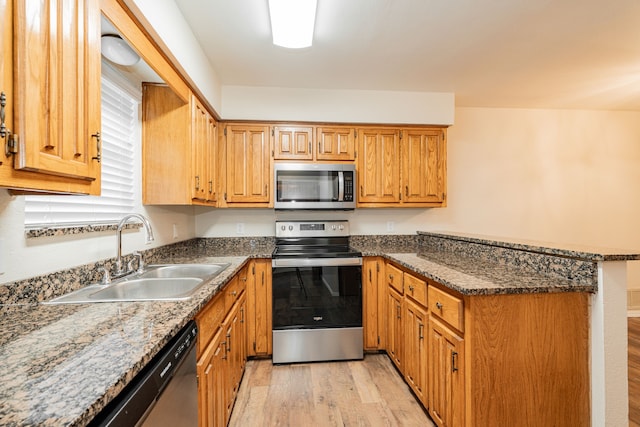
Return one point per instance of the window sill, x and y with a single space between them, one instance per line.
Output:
54 231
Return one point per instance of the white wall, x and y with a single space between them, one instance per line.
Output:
549 175
351 106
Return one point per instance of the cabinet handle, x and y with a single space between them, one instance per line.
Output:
98 138
411 288
406 191
210 187
241 314
263 278
438 305
391 277
421 331
361 193
224 354
229 343
234 293
265 190
309 146
454 360
398 311
369 275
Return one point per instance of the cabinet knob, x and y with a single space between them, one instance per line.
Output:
438 305
411 288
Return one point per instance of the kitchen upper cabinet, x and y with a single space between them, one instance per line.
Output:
51 95
402 167
178 149
378 166
423 166
248 166
293 142
259 342
336 143
314 143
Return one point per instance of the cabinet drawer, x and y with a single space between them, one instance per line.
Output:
232 291
209 320
447 307
416 289
394 278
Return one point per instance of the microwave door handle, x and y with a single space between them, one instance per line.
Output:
341 186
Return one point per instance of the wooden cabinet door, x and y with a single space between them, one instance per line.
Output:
211 161
394 330
370 273
423 163
248 165
446 375
378 166
210 371
293 143
199 150
57 88
415 356
335 143
259 325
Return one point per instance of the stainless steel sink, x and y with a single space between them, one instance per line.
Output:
183 270
166 282
148 289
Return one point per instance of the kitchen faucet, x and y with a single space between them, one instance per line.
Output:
123 221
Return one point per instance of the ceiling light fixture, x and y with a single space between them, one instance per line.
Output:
118 51
292 22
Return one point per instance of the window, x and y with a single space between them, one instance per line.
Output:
120 124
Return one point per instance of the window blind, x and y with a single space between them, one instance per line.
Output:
119 122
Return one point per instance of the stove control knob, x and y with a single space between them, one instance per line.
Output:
291 228
341 227
333 227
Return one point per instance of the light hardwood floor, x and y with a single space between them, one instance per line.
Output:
356 393
634 371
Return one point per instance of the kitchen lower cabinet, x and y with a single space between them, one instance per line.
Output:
221 352
415 324
374 303
487 360
259 294
446 375
211 368
394 328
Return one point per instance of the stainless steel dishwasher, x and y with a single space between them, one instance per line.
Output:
165 393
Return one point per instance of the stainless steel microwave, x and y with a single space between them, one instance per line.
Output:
315 186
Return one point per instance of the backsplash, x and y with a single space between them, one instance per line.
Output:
557 265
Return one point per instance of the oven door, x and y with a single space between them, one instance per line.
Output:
316 293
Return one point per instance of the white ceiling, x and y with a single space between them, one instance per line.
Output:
490 53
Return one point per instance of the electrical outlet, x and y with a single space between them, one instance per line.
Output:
240 228
390 225
175 231
3 257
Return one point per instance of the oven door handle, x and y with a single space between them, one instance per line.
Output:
315 262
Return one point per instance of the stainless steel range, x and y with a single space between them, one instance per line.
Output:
317 293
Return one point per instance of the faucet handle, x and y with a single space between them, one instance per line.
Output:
106 276
140 258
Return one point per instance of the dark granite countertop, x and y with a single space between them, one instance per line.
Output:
61 364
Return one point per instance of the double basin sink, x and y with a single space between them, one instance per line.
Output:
162 282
